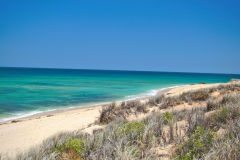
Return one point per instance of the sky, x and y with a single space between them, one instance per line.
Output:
163 35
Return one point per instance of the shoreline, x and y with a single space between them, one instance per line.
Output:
22 134
36 113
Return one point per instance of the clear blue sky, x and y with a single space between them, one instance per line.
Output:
182 36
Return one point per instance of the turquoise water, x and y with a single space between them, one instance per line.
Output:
26 91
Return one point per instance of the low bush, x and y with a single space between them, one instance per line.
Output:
75 144
153 132
213 104
141 108
195 118
200 95
167 118
222 116
47 150
113 111
227 147
198 144
127 128
107 114
152 102
227 98
156 100
170 102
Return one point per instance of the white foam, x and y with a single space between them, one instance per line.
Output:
149 93
23 115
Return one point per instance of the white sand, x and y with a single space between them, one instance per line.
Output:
17 137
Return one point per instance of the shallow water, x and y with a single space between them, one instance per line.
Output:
25 91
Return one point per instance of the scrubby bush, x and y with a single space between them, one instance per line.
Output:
156 100
152 102
113 111
159 99
213 104
227 147
222 116
141 108
180 115
108 113
74 145
47 150
127 128
224 149
228 98
153 132
195 118
199 95
198 144
170 102
167 118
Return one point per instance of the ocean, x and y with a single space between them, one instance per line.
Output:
27 91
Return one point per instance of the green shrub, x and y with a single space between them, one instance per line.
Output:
76 144
127 128
134 150
227 147
221 116
167 118
198 144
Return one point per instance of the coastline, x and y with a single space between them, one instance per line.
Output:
36 113
22 134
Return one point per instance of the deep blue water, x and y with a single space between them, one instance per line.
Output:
28 90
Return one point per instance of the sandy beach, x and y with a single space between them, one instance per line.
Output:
19 135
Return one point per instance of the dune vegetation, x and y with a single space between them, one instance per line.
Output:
200 124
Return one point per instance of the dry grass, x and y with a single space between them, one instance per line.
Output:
46 150
228 147
199 95
156 100
213 104
113 111
170 102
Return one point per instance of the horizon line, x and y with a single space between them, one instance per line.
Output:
117 70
